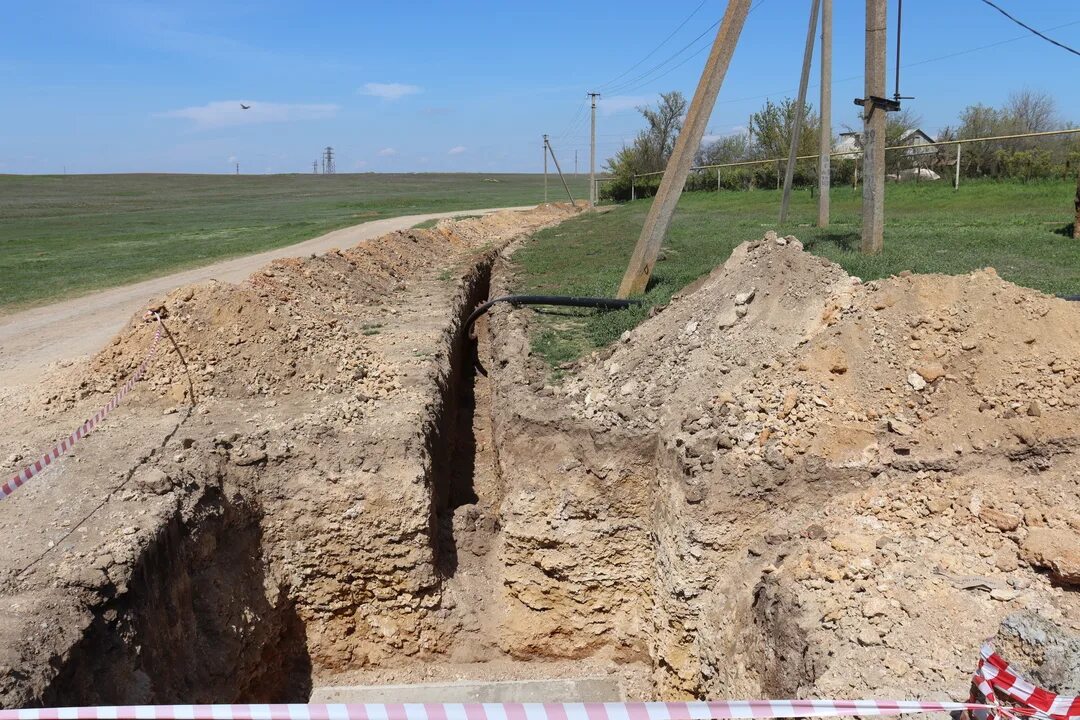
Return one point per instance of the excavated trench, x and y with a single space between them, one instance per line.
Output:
466 518
453 443
549 543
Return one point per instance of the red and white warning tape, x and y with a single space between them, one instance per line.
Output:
502 711
994 676
39 465
993 673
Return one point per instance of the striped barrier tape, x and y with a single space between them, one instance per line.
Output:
716 710
993 676
38 466
992 673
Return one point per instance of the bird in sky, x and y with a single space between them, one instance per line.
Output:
244 107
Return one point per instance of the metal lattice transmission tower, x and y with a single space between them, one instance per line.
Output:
328 161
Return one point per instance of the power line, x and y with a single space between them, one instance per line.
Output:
1031 29
939 58
652 52
629 83
634 84
575 121
984 47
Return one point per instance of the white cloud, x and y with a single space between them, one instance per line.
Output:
387 152
389 91
232 159
622 103
360 164
228 113
457 150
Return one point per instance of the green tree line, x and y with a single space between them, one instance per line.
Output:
769 130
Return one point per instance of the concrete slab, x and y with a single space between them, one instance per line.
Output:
558 690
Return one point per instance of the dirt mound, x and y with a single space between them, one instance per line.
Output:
299 324
812 485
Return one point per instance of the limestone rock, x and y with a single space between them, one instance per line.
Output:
1054 550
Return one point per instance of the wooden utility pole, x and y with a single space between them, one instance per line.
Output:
874 109
592 151
545 169
825 143
678 167
800 104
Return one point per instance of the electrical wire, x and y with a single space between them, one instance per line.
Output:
939 58
652 52
1031 29
574 121
633 84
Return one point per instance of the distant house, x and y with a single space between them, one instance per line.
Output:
849 143
922 146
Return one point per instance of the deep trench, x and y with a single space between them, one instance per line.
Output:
194 624
452 446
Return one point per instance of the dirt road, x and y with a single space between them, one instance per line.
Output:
33 339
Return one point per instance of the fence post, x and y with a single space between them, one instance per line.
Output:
956 182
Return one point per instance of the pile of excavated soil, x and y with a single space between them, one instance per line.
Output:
791 481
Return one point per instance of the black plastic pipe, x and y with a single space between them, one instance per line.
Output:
592 302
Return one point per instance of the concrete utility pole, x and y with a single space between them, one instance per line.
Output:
956 181
873 205
800 103
592 151
545 169
547 144
1076 221
825 144
648 245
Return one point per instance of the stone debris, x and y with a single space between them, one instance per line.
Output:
926 424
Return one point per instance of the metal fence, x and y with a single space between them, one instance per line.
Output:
850 155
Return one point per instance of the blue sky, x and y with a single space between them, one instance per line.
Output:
470 85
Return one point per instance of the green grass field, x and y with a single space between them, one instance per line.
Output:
1021 230
63 235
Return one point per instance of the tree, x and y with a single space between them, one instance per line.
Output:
772 127
1026 111
1031 111
651 148
732 148
979 121
665 123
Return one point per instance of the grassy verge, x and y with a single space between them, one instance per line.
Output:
1018 229
62 235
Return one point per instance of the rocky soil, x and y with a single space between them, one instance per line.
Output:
790 482
787 483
